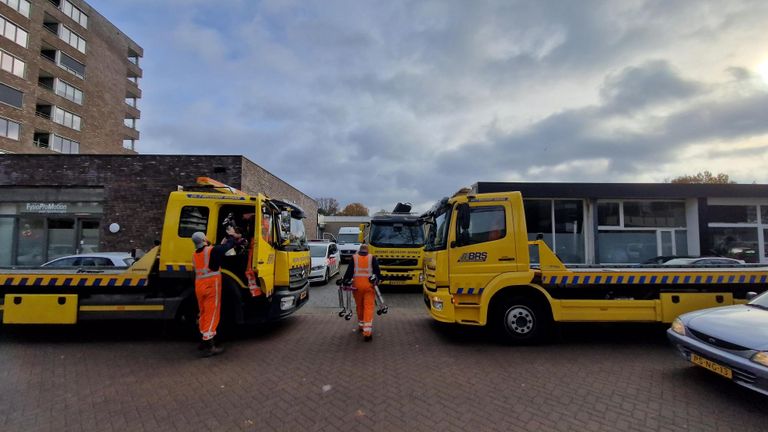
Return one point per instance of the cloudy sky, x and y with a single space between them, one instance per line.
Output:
386 101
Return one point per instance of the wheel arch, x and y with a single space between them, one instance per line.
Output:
517 285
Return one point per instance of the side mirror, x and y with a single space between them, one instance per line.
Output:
751 295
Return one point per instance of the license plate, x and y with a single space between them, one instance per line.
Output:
303 295
714 367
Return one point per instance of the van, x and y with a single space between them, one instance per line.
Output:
348 241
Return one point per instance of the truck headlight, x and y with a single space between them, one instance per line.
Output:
286 303
761 357
678 327
437 304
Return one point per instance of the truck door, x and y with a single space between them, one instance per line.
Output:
264 239
481 249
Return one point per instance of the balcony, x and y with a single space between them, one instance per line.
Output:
44 111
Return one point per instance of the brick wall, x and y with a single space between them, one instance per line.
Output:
136 186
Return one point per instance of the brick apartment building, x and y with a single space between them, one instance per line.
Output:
68 80
64 204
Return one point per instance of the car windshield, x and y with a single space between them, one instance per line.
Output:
317 251
397 234
760 301
348 238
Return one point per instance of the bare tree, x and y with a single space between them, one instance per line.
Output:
327 206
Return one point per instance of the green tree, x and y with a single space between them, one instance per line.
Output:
705 177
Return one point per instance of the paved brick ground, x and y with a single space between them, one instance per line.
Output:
313 373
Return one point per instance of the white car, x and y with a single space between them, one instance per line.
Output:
704 262
96 259
326 261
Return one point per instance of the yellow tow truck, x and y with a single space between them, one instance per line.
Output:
396 239
478 272
264 279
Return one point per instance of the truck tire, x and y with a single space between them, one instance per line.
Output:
521 320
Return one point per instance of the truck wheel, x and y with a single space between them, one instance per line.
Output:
519 320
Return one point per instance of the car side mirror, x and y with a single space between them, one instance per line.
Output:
751 295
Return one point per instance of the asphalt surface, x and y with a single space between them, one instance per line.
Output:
313 372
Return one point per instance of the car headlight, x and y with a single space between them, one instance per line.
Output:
678 327
317 267
761 357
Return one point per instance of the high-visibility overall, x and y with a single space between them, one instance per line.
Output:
208 291
364 295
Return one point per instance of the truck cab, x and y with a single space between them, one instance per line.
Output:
397 241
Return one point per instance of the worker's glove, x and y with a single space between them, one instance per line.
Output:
373 279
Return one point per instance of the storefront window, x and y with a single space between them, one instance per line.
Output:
31 241
89 236
739 243
657 214
61 238
608 214
732 214
6 240
626 246
564 234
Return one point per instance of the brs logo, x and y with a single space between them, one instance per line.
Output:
474 257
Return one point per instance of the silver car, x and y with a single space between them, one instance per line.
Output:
731 341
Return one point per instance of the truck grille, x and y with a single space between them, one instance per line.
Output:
399 262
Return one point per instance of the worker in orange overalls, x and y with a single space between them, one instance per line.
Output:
207 260
364 271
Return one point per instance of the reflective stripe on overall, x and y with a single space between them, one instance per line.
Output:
364 295
208 292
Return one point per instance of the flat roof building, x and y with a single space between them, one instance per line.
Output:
69 80
622 223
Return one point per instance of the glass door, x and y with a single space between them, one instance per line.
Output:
88 234
61 237
666 242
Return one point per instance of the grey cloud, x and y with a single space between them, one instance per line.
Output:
635 88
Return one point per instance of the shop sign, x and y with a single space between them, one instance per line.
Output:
45 208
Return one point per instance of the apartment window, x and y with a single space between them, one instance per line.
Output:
11 96
69 91
64 145
73 12
129 144
22 6
71 65
11 64
9 129
13 32
66 118
72 38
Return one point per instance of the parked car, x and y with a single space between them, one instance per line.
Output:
704 262
96 259
731 341
326 261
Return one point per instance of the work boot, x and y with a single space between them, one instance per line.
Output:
211 349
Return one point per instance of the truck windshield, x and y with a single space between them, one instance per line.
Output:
397 234
318 251
297 238
348 238
437 229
